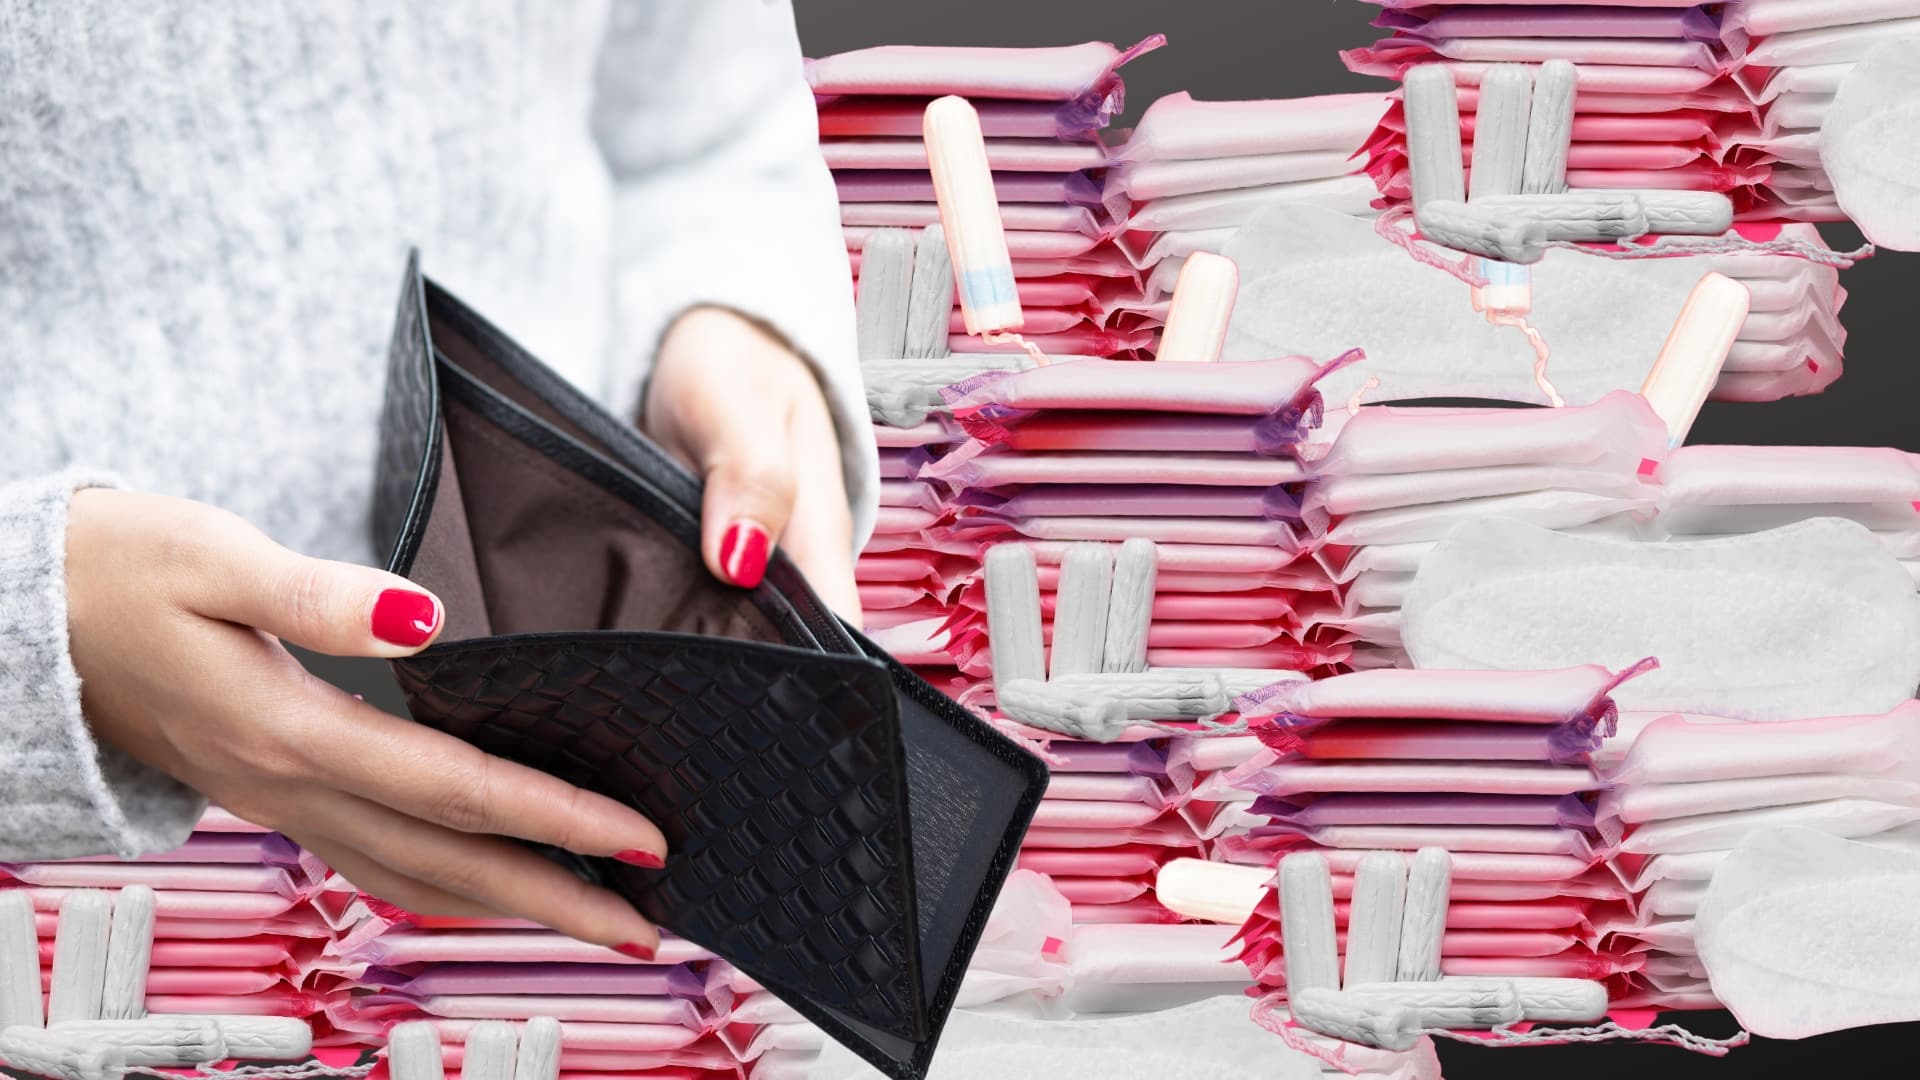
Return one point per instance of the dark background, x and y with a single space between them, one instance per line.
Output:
1240 49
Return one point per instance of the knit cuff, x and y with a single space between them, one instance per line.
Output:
63 795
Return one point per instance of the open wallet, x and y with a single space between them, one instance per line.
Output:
838 830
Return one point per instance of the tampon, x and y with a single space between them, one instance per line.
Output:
490 1052
539 1057
976 242
1552 1001
1574 215
19 963
1434 157
259 1038
1013 615
886 278
79 957
1695 349
1549 130
123 996
1211 891
1160 694
1373 923
1461 1004
1306 923
1051 708
413 1052
43 1053
1680 213
1500 132
1201 307
1338 1015
161 1041
1424 920
930 301
1080 609
1130 610
1479 231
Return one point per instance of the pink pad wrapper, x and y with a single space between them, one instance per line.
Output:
866 117
1086 74
1528 697
1004 155
1265 776
1365 808
1176 127
1143 500
1614 434
916 185
1092 430
994 470
1683 749
1246 388
1125 861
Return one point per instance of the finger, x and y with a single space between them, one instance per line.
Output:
497 874
437 778
376 880
819 536
329 607
748 500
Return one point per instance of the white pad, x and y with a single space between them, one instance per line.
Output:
1315 283
1803 933
1211 1039
1814 619
1870 145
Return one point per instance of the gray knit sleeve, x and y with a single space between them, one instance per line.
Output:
61 794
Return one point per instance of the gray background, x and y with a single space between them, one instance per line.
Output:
1238 49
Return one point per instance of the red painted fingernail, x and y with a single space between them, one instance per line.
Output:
743 553
636 857
404 617
638 952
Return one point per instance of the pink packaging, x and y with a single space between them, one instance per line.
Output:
916 185
1682 749
1550 20
1000 469
1267 777
1190 432
1352 494
1144 500
1177 127
1577 694
1004 155
1546 509
1085 74
1614 434
866 117
1023 245
1124 861
1768 475
1247 388
1365 808
1673 52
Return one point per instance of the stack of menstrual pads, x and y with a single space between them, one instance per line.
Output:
1674 96
1725 97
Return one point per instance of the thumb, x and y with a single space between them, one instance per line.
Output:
749 497
334 608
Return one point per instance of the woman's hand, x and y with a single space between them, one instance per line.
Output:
173 612
747 414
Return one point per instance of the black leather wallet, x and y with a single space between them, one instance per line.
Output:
838 829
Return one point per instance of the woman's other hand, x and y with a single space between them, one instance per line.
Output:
174 608
748 415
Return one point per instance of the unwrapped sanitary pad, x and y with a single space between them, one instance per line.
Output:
1814 619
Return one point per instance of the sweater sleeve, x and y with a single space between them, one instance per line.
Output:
708 126
62 794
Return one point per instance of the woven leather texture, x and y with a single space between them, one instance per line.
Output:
780 791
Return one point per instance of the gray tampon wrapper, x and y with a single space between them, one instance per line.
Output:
413 1052
1500 132
1374 918
44 1053
491 1045
886 278
129 953
539 1057
1339 1015
1549 129
1013 614
1307 936
1080 609
20 1004
1434 158
161 1041
930 300
1477 230
1136 571
1076 713
1423 922
79 957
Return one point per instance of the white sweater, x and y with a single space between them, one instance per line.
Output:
204 214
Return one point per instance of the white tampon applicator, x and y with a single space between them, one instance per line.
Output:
970 217
1202 306
1696 348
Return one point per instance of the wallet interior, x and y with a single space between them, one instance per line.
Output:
548 516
